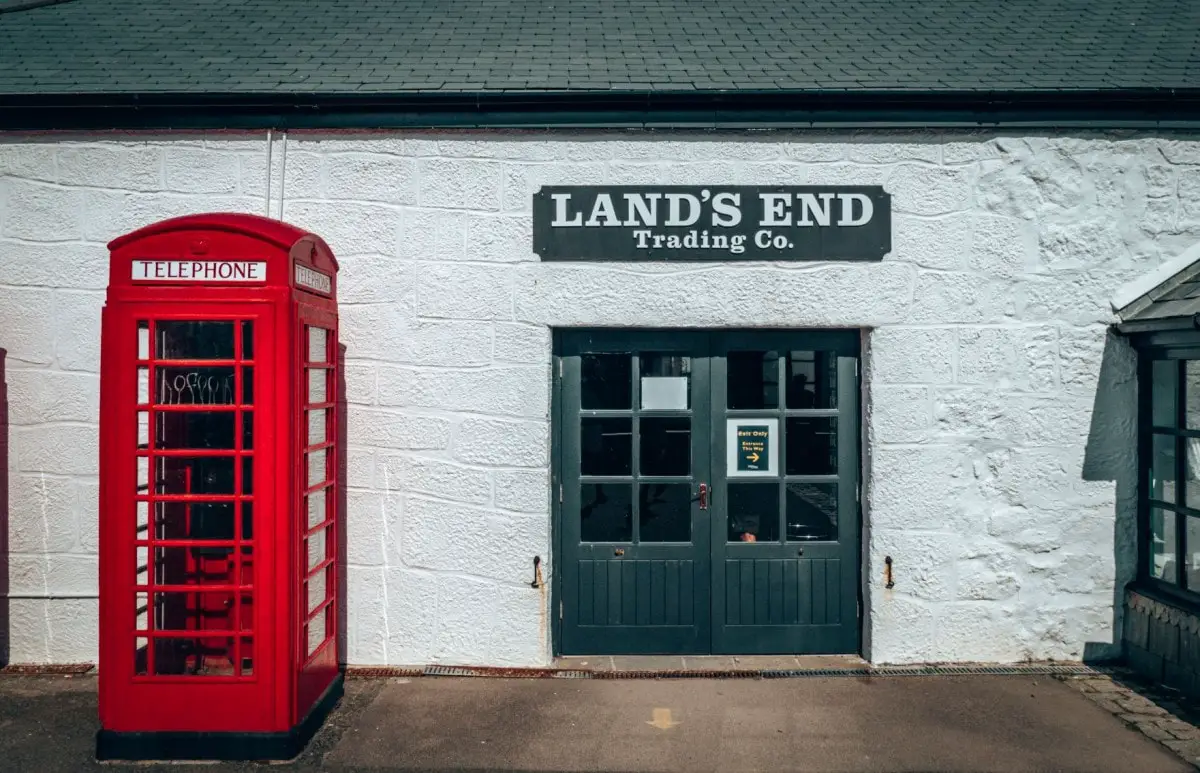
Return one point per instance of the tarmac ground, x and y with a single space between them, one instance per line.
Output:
867 723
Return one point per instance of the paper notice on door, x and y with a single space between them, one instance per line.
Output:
752 447
664 393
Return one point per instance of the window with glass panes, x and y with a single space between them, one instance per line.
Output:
1170 465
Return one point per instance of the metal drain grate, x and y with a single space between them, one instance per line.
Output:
495 673
38 669
677 674
381 672
1031 669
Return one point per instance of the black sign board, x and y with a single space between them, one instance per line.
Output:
753 448
712 223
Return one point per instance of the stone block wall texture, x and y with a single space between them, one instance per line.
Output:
999 411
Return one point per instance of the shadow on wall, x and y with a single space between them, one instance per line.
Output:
4 616
1111 455
340 417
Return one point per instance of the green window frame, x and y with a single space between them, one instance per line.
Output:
1169 471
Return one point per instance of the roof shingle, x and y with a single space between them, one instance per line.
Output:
414 46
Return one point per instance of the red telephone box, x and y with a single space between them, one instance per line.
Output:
219 506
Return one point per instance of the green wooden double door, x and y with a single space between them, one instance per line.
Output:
707 490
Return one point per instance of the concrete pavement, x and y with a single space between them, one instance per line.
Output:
969 723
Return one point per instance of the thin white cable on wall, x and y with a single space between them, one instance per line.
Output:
282 172
267 205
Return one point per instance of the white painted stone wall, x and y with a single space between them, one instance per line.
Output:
999 417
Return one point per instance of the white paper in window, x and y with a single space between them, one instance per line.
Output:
665 393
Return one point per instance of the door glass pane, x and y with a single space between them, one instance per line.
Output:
185 610
143 340
195 429
316 631
316 426
1192 472
195 386
316 467
665 512
195 475
178 340
317 344
247 340
811 380
1191 386
665 381
1162 468
200 656
811 445
1165 378
143 386
605 512
197 520
316 385
752 379
316 508
209 520
666 445
248 386
811 511
247 664
316 549
248 430
316 589
1192 546
1162 544
605 382
193 566
753 512
607 446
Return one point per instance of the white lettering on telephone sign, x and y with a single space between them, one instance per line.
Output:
199 271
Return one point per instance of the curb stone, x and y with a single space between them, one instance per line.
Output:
1160 713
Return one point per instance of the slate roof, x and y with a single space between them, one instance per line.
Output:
1165 298
457 46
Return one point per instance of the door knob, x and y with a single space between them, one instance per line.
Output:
703 496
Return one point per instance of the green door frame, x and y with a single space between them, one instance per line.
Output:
764 575
634 595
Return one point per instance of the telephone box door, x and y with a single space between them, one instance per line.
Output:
194 422
316 336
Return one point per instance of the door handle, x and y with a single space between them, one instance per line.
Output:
703 496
